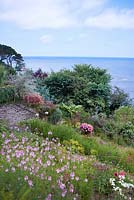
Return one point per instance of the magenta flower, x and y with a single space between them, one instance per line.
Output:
86 128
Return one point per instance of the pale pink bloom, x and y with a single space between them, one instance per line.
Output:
50 133
25 168
3 135
13 169
72 175
71 188
30 183
77 178
63 194
32 154
49 197
58 171
26 178
48 162
49 178
62 186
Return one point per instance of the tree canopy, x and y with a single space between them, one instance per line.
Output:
84 85
10 58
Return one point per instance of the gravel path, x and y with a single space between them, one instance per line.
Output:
14 113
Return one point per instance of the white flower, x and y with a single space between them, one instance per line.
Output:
37 115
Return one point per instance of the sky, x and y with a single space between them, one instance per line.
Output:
89 28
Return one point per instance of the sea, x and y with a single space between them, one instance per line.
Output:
121 69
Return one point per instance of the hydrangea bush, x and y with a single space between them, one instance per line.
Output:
86 128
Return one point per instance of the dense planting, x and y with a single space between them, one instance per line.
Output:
36 168
80 144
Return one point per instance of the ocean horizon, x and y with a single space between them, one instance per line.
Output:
121 69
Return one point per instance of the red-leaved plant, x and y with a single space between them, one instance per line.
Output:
33 99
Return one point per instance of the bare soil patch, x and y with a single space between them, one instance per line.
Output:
14 113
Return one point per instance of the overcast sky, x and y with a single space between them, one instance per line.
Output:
94 28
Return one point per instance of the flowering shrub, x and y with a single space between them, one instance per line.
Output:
121 185
30 164
86 128
33 99
39 74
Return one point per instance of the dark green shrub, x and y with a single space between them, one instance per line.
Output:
3 74
55 117
127 132
118 98
7 94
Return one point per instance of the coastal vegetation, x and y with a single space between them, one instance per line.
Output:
79 145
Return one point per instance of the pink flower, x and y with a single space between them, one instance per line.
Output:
30 183
49 133
72 175
49 197
77 178
122 173
71 188
86 128
64 193
49 178
26 178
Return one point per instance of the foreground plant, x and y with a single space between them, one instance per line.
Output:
122 185
33 168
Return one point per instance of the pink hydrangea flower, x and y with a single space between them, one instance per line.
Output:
86 128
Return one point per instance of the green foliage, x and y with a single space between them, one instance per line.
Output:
124 114
127 132
63 132
43 91
101 182
15 177
73 146
55 116
118 98
71 109
7 94
23 83
10 57
46 109
3 74
113 155
61 85
85 85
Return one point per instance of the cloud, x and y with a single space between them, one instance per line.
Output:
112 18
46 39
36 14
